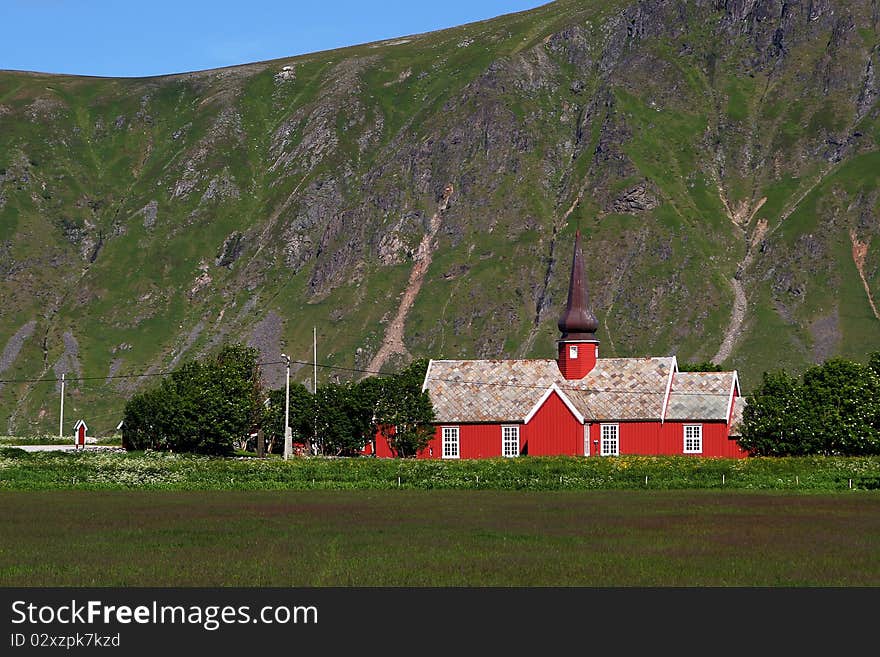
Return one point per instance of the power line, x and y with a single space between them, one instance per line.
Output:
503 384
114 376
517 385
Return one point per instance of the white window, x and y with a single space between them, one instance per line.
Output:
510 441
693 439
610 440
586 440
572 351
450 442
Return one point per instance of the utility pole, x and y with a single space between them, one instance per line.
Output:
315 367
288 437
61 418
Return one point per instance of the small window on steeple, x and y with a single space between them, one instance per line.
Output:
572 351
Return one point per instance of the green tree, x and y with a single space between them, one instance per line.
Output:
773 418
842 404
404 413
367 397
833 410
301 417
143 424
337 426
704 366
204 406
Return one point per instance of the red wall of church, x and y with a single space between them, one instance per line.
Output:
651 438
552 430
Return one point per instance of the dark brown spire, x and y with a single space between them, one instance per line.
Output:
578 322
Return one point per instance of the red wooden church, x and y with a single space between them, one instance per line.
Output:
579 404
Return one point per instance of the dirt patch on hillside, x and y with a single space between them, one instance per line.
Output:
740 302
860 256
393 341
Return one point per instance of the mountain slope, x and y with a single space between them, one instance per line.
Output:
721 159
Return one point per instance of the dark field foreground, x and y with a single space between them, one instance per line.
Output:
438 538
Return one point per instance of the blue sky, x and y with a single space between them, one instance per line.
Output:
132 38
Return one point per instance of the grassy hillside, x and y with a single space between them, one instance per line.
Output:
722 163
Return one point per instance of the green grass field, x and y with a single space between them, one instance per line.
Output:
112 470
438 538
153 519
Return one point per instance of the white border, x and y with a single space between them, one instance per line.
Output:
518 440
734 387
684 438
565 400
672 372
602 440
427 372
457 441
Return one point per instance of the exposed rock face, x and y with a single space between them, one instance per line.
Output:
150 211
870 86
634 200
826 337
230 251
226 127
221 188
286 74
202 280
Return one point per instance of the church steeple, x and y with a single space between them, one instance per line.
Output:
578 346
577 321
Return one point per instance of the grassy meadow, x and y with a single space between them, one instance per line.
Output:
110 518
119 470
439 538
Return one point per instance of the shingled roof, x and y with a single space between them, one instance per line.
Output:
622 389
464 391
701 396
508 390
488 390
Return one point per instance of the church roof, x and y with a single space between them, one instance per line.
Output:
615 389
622 389
464 391
488 390
700 396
